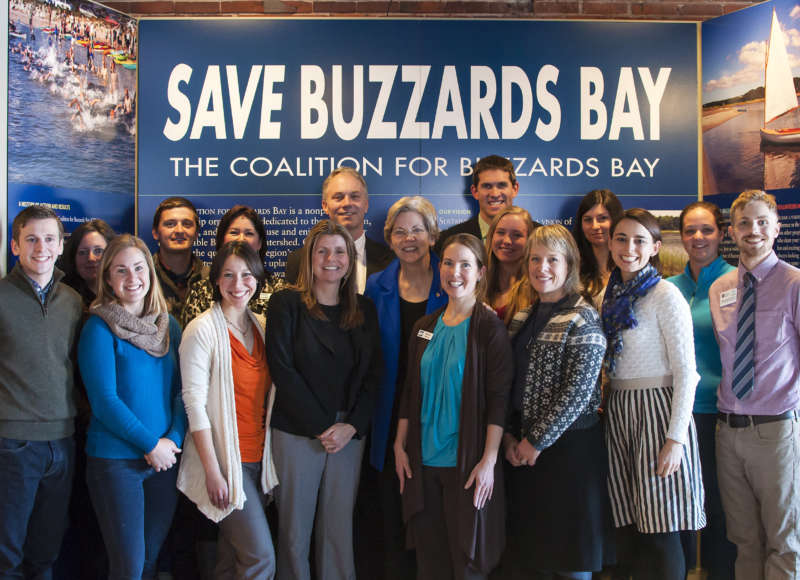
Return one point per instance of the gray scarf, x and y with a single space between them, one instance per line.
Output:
149 332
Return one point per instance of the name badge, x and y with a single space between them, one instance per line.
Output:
727 297
425 334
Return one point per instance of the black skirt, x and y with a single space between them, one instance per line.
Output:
559 514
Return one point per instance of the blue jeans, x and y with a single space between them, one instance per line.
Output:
35 485
134 506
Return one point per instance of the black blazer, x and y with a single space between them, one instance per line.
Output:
471 226
378 257
299 359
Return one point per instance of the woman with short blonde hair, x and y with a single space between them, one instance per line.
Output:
554 439
406 290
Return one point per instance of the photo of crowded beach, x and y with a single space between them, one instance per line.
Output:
751 121
72 95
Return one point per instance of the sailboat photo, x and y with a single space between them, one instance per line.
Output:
779 92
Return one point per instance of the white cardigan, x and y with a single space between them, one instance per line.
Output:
208 395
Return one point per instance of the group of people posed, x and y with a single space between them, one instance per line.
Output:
504 398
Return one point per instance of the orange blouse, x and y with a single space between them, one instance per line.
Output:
251 382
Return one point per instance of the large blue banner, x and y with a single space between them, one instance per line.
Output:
260 111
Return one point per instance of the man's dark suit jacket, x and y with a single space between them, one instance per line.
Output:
378 257
471 226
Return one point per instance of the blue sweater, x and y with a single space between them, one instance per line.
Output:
135 397
382 289
705 343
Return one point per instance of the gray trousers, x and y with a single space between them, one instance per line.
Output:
759 480
244 547
317 491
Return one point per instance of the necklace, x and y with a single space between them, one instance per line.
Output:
232 325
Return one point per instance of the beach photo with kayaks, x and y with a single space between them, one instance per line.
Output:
72 95
750 121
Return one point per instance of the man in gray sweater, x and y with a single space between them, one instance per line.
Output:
39 322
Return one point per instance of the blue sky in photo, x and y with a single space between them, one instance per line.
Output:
734 47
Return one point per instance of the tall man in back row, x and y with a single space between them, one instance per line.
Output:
756 315
494 186
346 201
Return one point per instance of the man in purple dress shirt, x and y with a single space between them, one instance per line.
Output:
758 436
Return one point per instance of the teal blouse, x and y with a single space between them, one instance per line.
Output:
705 343
442 374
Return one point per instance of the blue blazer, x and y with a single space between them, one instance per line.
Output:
382 289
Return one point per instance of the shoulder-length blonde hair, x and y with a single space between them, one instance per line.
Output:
154 302
348 298
557 238
520 296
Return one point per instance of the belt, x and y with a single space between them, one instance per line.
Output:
640 384
739 421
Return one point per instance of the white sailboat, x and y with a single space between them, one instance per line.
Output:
779 94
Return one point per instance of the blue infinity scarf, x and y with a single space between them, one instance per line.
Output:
618 305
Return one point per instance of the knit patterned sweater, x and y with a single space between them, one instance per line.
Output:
561 385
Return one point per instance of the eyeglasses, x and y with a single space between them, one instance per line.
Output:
401 234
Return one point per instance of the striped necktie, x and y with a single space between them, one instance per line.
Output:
745 340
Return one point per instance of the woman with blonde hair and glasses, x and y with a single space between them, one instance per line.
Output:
128 357
406 290
323 350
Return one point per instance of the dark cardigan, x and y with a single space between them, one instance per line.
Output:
488 370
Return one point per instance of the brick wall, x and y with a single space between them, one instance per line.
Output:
544 9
